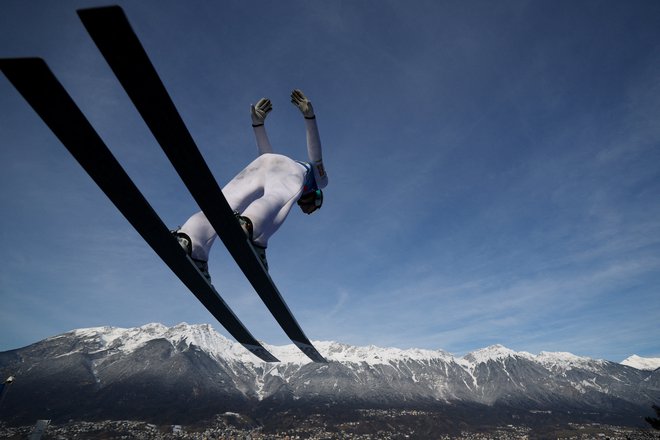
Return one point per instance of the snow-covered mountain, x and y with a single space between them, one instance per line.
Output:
203 336
192 369
641 363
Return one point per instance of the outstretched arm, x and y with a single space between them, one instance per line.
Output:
259 113
313 138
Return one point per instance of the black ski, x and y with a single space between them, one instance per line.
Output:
112 33
41 89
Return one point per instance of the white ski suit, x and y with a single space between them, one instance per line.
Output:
264 191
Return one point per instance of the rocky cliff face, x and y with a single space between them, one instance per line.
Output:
190 372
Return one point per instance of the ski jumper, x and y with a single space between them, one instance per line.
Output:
264 191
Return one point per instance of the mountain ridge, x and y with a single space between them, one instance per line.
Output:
164 373
206 337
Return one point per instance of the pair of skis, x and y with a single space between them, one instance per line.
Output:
118 43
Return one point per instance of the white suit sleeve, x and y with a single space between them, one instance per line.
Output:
263 144
314 152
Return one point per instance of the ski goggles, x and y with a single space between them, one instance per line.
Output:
312 197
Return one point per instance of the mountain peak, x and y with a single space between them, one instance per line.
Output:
494 353
127 340
567 361
641 363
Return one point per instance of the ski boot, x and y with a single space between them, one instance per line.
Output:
186 243
246 224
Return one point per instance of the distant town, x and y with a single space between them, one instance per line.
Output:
374 425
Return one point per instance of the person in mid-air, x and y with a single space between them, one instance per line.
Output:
264 192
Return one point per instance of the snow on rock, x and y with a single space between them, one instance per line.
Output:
494 353
338 352
565 361
373 355
127 340
285 353
641 363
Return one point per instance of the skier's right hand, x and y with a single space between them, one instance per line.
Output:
259 111
304 105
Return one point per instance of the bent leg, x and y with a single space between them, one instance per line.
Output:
281 190
239 192
264 192
202 235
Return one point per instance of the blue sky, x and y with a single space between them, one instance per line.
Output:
494 171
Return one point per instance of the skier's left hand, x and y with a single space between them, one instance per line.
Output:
304 105
260 111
